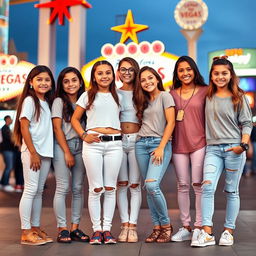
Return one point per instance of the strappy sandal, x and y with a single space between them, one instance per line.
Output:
164 236
44 236
32 238
62 237
79 236
153 236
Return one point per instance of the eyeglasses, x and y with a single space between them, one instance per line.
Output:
129 70
225 57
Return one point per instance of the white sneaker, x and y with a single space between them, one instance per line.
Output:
132 235
8 188
182 235
195 235
203 239
124 234
226 238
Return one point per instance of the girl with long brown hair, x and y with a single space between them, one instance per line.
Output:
189 93
68 156
153 148
228 127
102 146
33 131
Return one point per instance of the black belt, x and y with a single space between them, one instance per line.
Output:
110 138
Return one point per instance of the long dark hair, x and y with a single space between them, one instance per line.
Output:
28 90
93 88
233 85
142 97
67 104
198 79
136 68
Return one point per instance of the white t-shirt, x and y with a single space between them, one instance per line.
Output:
104 111
41 130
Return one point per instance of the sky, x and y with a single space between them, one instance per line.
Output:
230 24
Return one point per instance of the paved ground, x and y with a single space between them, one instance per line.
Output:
10 235
244 236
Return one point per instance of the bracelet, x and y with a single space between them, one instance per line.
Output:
84 134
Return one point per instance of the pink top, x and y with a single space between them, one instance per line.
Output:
189 134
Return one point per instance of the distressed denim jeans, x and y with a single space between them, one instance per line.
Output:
218 161
150 171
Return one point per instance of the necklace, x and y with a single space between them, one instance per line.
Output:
181 112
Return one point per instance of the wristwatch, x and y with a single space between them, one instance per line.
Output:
244 146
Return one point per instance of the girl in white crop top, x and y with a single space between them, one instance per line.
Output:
102 147
129 175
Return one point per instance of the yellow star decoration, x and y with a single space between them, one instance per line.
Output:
129 29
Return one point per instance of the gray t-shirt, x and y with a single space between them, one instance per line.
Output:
223 124
57 111
154 121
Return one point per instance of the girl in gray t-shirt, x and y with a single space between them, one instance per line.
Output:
67 159
228 128
153 149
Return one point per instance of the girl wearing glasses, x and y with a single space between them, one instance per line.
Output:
189 93
102 147
129 175
228 128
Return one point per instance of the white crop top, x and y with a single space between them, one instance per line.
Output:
104 111
128 112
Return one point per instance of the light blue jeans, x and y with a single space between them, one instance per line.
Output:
63 175
149 171
31 201
217 161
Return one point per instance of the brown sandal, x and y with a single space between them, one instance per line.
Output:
42 234
164 236
153 236
32 238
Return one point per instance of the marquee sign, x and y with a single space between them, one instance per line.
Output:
13 74
191 14
145 53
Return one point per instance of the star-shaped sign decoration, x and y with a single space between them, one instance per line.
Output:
129 29
60 9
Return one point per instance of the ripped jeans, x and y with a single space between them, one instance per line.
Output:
102 161
150 171
217 160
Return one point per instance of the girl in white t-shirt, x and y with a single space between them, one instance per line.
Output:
33 131
68 156
102 146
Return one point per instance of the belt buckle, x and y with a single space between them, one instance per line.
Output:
105 138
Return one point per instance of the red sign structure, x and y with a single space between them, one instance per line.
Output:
60 9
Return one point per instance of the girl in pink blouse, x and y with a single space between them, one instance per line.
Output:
189 93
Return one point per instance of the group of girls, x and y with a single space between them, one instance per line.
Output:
121 135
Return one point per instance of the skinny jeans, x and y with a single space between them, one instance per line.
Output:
218 161
189 167
31 201
130 173
63 174
152 175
